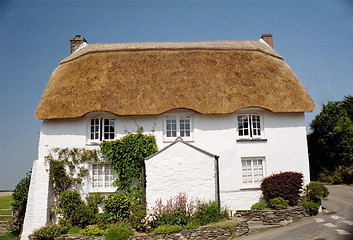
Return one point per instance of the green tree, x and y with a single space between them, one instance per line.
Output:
331 139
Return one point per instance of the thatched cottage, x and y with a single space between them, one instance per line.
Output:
225 114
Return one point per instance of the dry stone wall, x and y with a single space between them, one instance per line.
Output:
266 217
272 217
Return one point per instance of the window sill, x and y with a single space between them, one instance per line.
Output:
252 140
92 143
249 188
174 139
103 190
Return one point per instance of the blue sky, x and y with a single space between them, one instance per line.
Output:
314 37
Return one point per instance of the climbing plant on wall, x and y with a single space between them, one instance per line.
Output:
63 159
126 154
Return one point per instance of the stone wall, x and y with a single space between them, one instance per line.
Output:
266 217
202 233
271 217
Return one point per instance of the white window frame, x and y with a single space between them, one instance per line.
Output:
259 130
253 174
178 118
102 181
99 130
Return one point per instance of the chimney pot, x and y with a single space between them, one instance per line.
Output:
267 37
76 42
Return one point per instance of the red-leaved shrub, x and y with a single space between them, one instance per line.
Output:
286 185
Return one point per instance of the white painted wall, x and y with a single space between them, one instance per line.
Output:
179 169
37 209
284 150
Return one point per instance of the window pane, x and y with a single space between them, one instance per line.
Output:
184 123
108 129
171 127
243 125
252 170
102 175
256 125
94 129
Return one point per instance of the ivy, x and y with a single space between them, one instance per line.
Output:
126 154
61 159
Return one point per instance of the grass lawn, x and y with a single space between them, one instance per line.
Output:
5 202
9 236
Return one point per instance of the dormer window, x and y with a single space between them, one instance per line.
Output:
102 129
177 126
249 126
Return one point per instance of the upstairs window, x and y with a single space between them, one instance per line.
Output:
249 126
102 129
178 126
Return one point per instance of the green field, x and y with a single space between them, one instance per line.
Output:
5 202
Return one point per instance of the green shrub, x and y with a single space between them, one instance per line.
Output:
336 178
209 212
49 232
167 229
19 204
286 185
259 206
310 206
313 193
279 203
192 224
74 230
93 200
316 191
137 217
69 202
117 205
341 175
325 176
93 230
83 216
347 174
120 231
75 211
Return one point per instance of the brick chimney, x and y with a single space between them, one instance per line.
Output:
76 42
267 37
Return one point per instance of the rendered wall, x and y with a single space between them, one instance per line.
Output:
37 209
285 148
179 169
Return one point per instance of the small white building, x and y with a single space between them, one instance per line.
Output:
238 100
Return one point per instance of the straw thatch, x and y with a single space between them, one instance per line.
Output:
152 78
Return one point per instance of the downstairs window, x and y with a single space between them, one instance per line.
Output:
252 171
102 176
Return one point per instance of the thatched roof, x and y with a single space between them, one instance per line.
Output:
152 78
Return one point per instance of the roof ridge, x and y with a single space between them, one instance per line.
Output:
248 45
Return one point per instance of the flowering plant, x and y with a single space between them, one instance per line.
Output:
177 211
